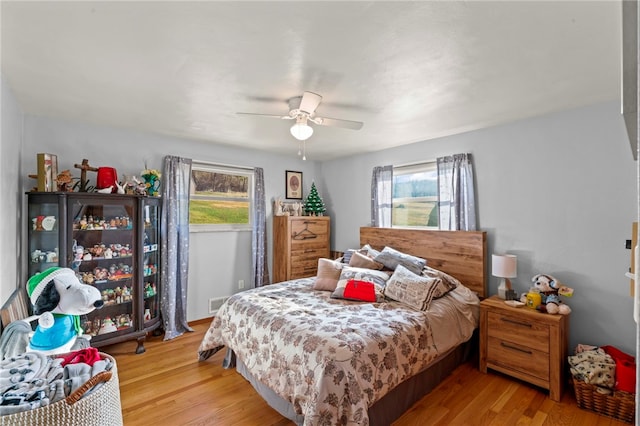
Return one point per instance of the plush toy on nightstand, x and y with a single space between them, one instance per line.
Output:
544 295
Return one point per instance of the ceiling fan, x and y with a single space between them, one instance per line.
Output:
302 109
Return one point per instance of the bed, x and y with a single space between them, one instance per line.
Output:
324 361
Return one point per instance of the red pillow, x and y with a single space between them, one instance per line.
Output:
360 290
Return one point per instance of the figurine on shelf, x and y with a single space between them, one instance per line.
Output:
63 180
126 294
88 278
152 181
107 326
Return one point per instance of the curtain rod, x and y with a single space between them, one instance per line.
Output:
415 163
232 166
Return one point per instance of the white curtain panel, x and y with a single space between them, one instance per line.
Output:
456 199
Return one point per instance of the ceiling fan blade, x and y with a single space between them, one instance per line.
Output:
310 102
282 117
334 122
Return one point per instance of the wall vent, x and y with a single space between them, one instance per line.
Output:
215 303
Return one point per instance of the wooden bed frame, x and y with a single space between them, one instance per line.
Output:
458 253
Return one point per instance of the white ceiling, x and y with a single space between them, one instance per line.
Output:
411 71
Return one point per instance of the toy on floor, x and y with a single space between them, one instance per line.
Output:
58 300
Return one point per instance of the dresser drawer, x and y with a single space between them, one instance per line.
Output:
519 358
308 246
303 271
309 229
521 331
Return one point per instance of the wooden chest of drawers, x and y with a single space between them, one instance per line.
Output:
525 344
298 243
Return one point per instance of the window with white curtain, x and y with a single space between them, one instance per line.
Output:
220 198
415 196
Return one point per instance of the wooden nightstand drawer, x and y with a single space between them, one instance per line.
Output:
517 357
521 331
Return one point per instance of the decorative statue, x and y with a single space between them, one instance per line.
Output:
278 207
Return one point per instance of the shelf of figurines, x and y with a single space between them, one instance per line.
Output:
113 275
98 326
90 223
101 251
123 295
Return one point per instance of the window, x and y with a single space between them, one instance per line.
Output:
415 196
221 198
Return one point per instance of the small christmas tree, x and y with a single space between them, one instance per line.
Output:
313 205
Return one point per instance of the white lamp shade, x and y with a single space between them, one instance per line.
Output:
504 266
301 130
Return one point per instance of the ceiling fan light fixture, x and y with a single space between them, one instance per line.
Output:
301 130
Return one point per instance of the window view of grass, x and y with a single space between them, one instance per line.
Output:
414 213
219 198
217 212
415 195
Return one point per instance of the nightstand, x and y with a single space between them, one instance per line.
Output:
524 343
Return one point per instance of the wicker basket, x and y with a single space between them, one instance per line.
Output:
101 408
619 405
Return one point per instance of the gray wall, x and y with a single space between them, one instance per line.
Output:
10 175
217 260
558 191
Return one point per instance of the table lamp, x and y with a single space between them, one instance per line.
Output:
505 267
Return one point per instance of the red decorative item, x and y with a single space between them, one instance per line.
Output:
625 369
107 177
360 290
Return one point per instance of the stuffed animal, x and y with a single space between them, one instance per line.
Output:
550 289
58 298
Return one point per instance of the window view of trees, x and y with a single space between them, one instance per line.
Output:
219 197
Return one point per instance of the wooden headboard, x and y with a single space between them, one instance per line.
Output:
461 254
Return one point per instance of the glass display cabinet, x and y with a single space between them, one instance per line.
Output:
111 242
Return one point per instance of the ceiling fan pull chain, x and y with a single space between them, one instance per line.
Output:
304 150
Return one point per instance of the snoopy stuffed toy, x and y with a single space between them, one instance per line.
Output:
550 288
58 300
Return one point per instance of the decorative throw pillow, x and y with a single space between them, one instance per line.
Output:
414 290
360 290
436 273
370 251
346 257
328 275
391 258
363 261
377 278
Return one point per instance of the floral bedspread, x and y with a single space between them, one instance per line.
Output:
330 358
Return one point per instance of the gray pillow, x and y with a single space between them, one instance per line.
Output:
391 258
346 257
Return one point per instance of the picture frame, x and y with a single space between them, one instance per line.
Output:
47 172
293 185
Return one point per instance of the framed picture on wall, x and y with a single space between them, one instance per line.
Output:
293 185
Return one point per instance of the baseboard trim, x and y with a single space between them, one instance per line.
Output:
201 321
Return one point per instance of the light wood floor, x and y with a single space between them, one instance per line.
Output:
168 386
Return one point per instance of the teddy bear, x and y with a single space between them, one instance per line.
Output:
59 298
550 289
